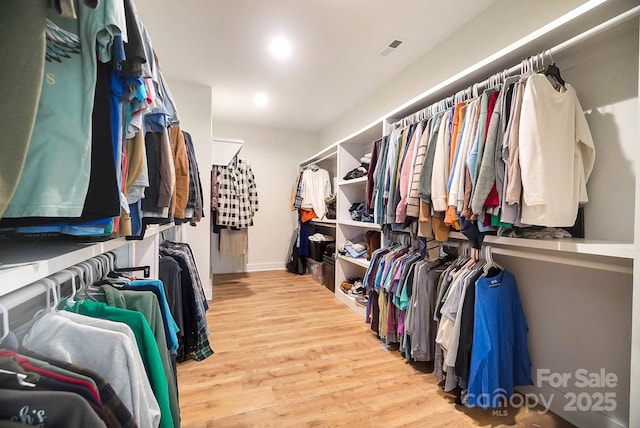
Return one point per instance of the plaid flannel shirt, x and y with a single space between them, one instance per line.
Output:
237 194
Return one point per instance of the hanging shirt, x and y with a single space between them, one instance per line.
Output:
316 186
237 194
424 188
406 173
58 337
147 346
146 303
55 177
499 356
413 205
169 324
556 154
48 408
440 174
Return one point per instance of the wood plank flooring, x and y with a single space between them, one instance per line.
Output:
289 354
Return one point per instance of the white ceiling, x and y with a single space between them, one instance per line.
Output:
334 63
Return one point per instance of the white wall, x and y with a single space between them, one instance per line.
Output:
501 24
274 155
194 108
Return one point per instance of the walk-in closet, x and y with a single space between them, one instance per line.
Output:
286 214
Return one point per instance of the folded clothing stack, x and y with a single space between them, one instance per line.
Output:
354 250
358 172
319 237
330 202
360 212
536 232
366 160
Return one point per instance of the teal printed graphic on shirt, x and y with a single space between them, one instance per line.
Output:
33 417
60 43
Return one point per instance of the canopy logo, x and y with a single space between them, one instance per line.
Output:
589 393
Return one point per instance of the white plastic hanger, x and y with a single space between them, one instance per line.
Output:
488 256
52 286
5 322
20 376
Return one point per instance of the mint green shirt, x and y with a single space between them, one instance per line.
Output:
55 177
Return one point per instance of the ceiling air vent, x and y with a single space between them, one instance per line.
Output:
391 46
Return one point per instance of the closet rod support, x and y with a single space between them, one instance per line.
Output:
145 222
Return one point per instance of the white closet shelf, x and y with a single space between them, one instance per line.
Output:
351 182
362 224
360 262
327 222
25 261
616 249
350 302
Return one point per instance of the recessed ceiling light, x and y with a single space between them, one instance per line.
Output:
280 47
260 99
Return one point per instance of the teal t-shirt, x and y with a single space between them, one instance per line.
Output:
55 177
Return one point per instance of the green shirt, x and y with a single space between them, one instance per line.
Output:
147 304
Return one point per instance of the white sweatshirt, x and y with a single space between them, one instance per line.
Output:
63 339
556 156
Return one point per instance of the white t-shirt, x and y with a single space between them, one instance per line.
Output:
316 186
556 154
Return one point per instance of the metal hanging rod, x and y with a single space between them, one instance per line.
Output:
528 65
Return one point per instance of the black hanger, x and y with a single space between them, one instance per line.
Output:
145 269
553 71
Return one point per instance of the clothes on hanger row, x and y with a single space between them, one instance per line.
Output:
520 154
464 315
311 189
117 107
234 203
187 300
309 196
109 351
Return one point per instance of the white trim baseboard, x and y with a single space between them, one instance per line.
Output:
256 267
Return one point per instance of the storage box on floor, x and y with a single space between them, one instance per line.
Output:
316 250
314 269
329 272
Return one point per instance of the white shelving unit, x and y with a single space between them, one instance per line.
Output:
350 151
359 262
350 302
360 224
353 181
578 294
577 246
325 222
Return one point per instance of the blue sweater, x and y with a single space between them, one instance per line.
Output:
499 357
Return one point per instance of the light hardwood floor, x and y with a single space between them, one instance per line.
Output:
288 354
